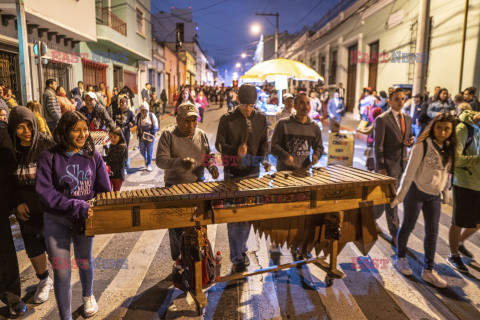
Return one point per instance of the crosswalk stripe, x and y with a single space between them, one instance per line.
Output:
407 297
40 311
23 261
118 295
337 299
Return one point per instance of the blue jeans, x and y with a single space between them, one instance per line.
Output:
416 130
416 200
58 237
146 150
237 238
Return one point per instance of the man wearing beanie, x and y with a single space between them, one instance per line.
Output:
242 139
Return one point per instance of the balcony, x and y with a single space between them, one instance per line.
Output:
108 18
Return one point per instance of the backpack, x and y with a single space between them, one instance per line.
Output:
183 272
467 143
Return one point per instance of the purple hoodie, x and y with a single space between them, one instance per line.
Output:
65 181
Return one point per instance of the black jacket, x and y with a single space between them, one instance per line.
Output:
233 131
116 158
26 159
98 119
7 168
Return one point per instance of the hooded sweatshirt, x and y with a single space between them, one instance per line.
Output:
66 180
467 167
26 162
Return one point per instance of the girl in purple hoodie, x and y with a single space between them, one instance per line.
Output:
68 176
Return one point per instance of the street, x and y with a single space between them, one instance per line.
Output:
133 273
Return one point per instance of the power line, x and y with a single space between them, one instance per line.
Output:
311 11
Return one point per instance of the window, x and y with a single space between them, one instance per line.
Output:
140 21
313 63
130 79
93 72
322 66
333 68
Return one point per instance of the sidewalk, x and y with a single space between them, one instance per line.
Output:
350 123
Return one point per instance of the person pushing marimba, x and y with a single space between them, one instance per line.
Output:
180 153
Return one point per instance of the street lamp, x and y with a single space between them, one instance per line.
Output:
244 55
256 29
238 65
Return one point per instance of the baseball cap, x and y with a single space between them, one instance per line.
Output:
92 95
287 95
187 109
247 94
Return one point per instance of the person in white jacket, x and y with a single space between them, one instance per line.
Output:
423 187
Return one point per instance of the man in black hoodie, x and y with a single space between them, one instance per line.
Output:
28 144
242 141
9 274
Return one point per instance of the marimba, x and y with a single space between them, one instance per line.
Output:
321 209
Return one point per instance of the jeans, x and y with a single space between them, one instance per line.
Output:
146 150
416 200
237 238
58 236
174 235
416 130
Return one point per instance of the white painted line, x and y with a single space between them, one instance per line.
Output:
121 290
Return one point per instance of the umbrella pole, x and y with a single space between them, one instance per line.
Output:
280 98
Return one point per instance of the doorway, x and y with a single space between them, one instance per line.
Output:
351 79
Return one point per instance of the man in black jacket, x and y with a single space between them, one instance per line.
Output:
242 141
9 273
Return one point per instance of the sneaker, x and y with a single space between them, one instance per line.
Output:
465 251
149 168
402 265
90 306
432 277
246 260
456 262
43 290
240 267
17 308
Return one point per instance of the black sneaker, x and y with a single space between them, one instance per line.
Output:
456 262
246 261
240 267
17 309
465 251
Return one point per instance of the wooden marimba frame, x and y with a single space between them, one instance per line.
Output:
321 209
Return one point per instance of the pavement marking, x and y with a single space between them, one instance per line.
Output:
337 299
123 288
23 261
405 295
42 310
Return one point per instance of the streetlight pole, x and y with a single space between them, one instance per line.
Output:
276 28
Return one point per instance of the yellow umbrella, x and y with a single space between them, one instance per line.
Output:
267 70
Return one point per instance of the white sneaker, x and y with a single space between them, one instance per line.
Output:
402 265
90 306
43 290
432 277
149 168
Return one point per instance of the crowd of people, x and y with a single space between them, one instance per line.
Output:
51 168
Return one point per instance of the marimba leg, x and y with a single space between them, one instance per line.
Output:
198 295
333 232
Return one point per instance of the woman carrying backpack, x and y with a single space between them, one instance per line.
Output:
421 188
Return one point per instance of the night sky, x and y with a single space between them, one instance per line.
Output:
224 25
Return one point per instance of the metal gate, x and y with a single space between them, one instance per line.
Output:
59 72
9 73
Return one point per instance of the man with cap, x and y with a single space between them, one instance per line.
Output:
147 126
181 152
242 139
97 116
288 110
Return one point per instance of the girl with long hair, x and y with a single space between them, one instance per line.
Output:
424 187
183 97
37 110
116 158
68 176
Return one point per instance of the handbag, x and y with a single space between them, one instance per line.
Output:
147 136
